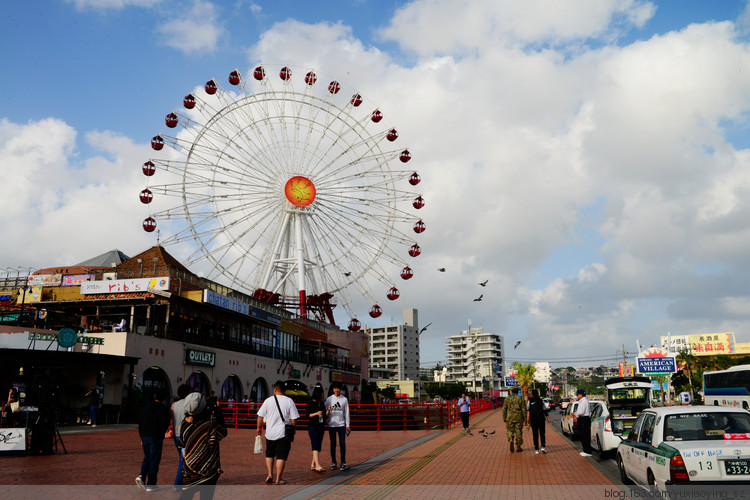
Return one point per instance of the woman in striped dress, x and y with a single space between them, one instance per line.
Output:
200 434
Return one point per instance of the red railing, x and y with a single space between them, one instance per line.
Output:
369 417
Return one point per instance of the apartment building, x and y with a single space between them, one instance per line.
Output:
475 359
394 349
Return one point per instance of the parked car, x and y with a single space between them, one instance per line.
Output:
564 402
603 437
626 398
547 403
686 444
568 424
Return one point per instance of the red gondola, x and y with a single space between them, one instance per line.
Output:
149 168
356 100
334 87
146 196
285 73
418 202
415 250
234 77
406 273
189 101
375 311
419 227
393 293
414 179
392 135
157 143
405 156
377 116
171 120
311 78
354 325
259 73
211 87
149 224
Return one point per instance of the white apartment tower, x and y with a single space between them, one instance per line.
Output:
475 356
394 349
543 372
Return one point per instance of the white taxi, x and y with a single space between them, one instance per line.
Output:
687 445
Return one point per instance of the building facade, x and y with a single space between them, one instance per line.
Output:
394 349
148 322
475 359
543 373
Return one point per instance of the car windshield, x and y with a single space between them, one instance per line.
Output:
628 395
702 426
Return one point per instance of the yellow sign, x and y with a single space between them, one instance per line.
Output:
711 344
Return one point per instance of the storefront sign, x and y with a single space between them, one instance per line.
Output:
76 279
711 344
45 280
265 316
200 358
511 382
65 338
351 378
124 286
211 297
336 376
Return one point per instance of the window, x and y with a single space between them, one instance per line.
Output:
646 434
633 436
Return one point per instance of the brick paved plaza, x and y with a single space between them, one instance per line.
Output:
391 464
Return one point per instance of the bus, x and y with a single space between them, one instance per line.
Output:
728 387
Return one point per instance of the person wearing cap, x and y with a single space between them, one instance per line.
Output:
200 433
152 428
582 415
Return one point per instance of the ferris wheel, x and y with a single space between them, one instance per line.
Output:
289 189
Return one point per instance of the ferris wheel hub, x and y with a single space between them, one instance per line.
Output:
300 191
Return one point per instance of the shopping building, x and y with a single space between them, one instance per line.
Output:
475 359
132 325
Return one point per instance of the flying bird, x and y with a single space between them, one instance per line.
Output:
424 328
441 269
516 345
483 283
347 274
479 299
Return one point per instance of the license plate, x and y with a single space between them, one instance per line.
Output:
737 467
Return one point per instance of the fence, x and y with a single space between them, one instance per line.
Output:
369 417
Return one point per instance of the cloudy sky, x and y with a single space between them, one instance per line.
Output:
589 158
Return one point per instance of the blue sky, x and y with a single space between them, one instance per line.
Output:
590 160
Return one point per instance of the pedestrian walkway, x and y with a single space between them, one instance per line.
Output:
389 464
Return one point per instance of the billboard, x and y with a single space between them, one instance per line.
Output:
711 344
656 361
124 286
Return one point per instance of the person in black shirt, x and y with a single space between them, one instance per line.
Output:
536 415
316 415
152 428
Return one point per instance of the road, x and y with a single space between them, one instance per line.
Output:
606 464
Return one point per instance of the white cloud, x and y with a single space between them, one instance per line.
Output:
430 27
56 201
198 30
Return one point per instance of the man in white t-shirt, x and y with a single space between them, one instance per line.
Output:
277 446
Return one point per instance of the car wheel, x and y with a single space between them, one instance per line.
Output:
562 429
651 481
599 447
621 467
744 405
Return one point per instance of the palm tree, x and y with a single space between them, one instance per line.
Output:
525 376
689 363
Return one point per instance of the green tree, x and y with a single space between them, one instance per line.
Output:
689 362
525 376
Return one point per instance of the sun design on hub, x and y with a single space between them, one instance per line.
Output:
300 191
